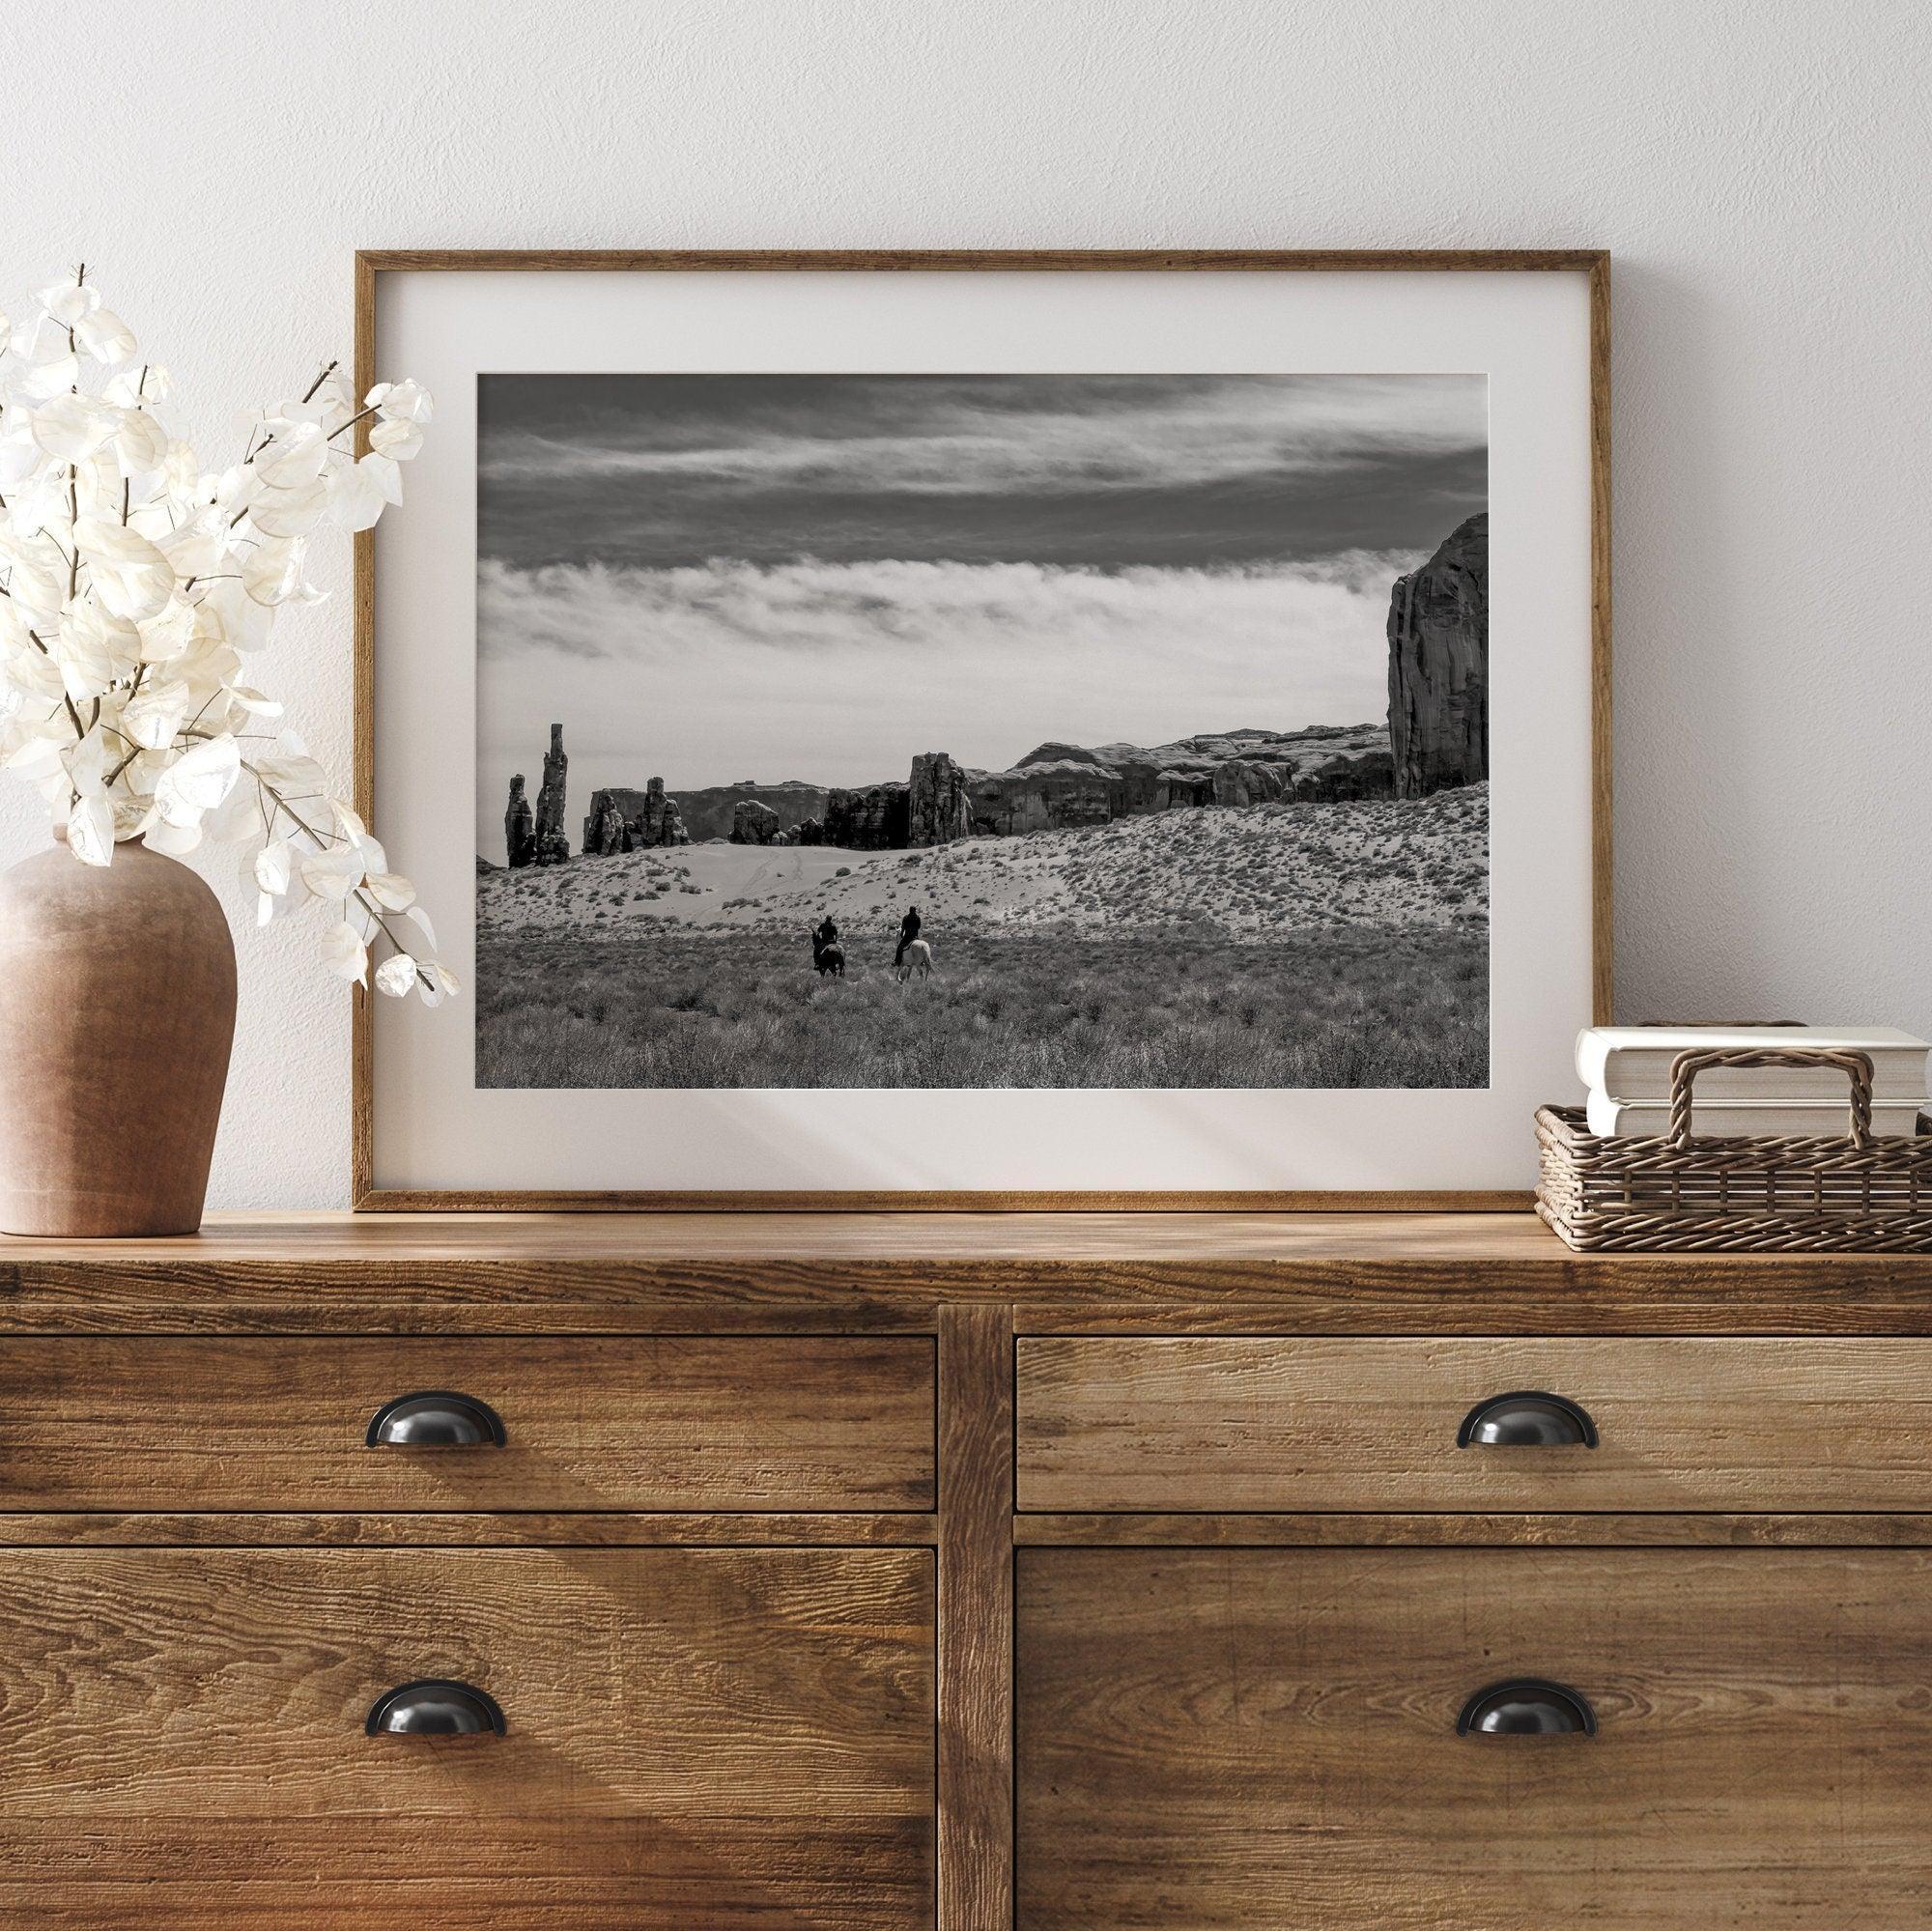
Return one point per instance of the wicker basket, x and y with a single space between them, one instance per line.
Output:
1837 1194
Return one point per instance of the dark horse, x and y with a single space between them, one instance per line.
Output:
827 956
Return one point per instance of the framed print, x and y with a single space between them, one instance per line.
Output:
989 729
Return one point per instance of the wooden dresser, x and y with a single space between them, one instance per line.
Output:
1084 1573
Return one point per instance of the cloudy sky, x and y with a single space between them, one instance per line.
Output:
710 578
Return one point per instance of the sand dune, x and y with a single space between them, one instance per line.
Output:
1248 873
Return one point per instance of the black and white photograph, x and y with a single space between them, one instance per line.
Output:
1019 730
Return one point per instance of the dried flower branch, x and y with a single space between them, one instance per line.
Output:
132 583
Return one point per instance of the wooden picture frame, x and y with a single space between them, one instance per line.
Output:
373 264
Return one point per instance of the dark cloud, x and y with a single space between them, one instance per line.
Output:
1088 471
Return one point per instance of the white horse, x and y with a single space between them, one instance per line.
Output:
918 959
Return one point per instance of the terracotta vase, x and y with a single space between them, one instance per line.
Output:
117 1011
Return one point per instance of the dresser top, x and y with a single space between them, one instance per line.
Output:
326 1239
1334 1273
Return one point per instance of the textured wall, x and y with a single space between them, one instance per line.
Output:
1758 169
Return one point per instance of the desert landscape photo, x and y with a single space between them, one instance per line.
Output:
1022 731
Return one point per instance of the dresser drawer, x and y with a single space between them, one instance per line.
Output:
1234 1739
1238 1423
726 1739
683 1422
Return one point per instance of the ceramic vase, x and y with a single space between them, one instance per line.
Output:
117 1011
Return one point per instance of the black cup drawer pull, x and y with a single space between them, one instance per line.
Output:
434 1705
1526 1706
1527 1418
436 1418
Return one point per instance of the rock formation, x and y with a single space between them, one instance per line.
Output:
1055 787
1183 791
520 838
1367 773
1439 671
707 811
622 820
605 831
1246 780
553 842
1133 773
1046 797
872 820
754 824
937 811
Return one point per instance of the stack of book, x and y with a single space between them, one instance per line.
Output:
1628 1071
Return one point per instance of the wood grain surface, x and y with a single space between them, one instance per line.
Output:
731 1740
1225 1740
1338 1273
749 1604
1272 1424
945 261
478 1529
1431 1530
975 1620
787 1422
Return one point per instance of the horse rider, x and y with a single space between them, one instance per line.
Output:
823 934
908 932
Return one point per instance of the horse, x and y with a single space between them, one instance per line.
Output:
918 959
827 958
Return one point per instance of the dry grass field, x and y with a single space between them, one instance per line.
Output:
673 1010
1276 946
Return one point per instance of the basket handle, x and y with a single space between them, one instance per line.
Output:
1686 1067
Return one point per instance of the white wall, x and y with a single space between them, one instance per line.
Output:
1758 169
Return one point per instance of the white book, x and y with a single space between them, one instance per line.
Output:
1647 1118
1634 1062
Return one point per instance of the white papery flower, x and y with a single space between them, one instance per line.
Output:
154 713
90 828
19 454
385 472
105 337
140 443
166 637
51 375
355 495
298 454
197 781
407 401
131 576
333 872
392 891
228 615
72 427
36 580
252 703
397 438
421 919
397 974
273 569
175 840
135 578
69 302
343 951
95 649
447 984
290 512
